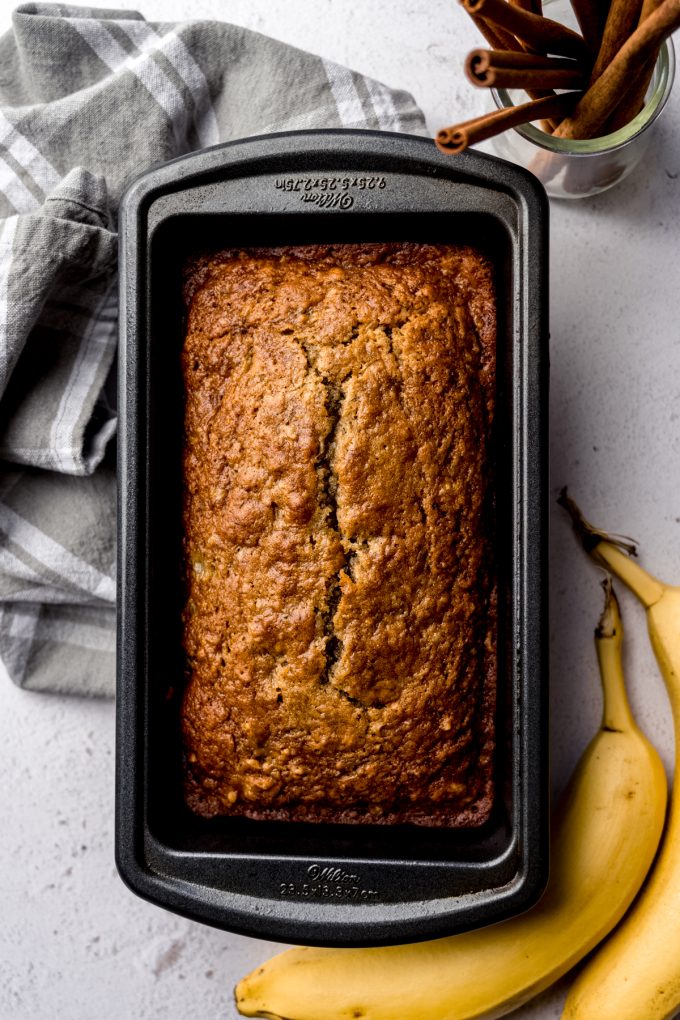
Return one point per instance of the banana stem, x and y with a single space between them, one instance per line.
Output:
613 552
647 588
616 714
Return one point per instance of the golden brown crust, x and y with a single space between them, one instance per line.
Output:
340 616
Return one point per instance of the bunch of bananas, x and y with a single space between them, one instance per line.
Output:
607 832
636 975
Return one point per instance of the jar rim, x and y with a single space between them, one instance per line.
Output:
664 72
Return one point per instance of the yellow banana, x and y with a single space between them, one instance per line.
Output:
636 975
607 831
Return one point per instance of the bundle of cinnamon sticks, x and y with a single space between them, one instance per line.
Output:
578 85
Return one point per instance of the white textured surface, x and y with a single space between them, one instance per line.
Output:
74 943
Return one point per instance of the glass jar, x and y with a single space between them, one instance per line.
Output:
578 168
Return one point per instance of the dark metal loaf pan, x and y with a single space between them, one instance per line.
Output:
325 884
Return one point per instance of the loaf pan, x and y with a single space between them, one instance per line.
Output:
335 885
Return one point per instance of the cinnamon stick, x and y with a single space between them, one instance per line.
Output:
501 40
458 137
532 6
542 33
590 22
484 58
622 18
509 78
601 99
496 37
648 7
634 99
504 69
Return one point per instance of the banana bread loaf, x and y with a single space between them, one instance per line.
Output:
340 616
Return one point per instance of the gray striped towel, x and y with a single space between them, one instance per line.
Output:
89 99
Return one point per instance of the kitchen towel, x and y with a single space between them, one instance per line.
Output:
89 99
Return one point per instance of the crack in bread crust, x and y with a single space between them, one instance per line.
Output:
327 494
328 483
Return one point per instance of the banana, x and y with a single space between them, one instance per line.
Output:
606 834
636 975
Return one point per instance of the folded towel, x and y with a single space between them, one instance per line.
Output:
89 99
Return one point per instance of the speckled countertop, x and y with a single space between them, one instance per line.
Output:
74 943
